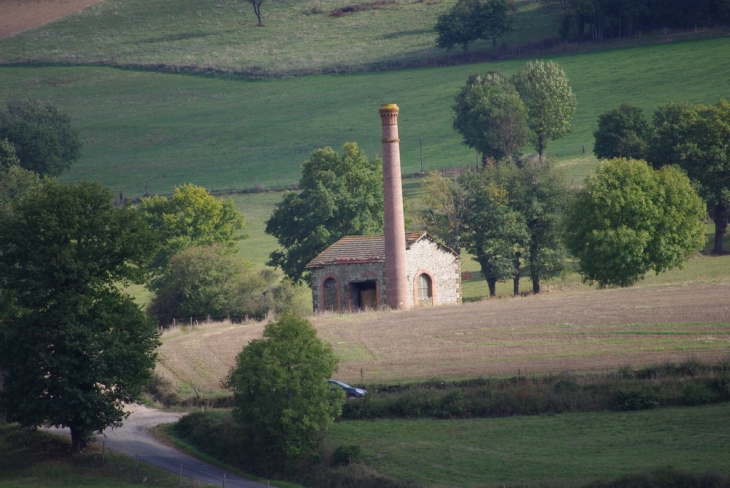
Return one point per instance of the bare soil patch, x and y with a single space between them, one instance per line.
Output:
569 331
20 15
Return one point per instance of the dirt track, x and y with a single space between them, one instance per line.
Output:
21 15
567 331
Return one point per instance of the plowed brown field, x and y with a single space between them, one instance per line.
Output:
21 15
568 331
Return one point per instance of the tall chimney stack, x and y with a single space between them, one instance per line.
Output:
396 273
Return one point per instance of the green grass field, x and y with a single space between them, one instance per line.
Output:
566 449
298 37
162 130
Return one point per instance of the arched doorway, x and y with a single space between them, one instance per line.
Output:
331 295
425 290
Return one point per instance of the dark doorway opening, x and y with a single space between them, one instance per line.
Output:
364 295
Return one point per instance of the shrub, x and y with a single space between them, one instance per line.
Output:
161 390
635 400
346 454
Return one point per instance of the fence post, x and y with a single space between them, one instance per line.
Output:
420 141
180 480
103 451
224 480
136 465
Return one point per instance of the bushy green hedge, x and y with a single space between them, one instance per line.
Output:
688 383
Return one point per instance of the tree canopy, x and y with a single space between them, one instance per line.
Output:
471 20
490 116
43 138
696 138
281 397
73 347
540 194
628 219
494 233
191 217
444 210
16 183
622 132
339 195
209 280
545 90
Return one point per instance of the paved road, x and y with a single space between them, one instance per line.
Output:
132 439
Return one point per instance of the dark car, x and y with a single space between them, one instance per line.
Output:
350 391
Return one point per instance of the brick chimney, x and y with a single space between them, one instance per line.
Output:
396 273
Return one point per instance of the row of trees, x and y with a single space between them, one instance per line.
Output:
497 116
691 137
514 220
604 19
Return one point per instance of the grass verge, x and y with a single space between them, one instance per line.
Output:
38 459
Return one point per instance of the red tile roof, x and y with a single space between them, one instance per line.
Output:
359 249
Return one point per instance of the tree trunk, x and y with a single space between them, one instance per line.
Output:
540 147
257 11
492 283
720 227
518 273
535 284
516 285
78 440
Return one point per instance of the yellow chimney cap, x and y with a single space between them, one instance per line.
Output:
389 108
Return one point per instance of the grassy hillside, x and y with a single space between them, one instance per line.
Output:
298 37
565 450
163 130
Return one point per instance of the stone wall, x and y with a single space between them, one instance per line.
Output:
345 274
442 266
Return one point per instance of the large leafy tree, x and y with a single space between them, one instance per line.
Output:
629 219
471 20
545 90
73 347
43 137
281 398
622 132
697 139
494 233
540 194
490 116
192 217
339 195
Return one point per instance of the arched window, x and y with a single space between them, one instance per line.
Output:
425 290
330 295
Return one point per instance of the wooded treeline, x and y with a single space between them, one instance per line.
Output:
606 19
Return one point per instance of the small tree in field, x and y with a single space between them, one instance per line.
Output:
629 219
471 20
545 91
282 400
490 116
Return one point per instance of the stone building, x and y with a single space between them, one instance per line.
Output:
350 274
